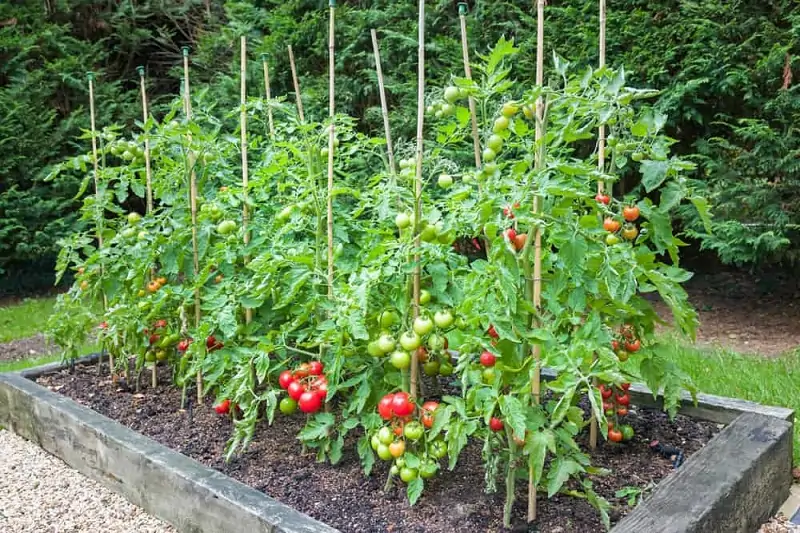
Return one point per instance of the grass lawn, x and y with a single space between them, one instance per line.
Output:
769 381
26 318
13 366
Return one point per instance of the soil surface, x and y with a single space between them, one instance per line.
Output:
344 498
36 346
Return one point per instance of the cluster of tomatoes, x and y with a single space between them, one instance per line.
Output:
487 360
626 344
160 341
447 107
616 401
403 432
615 228
425 341
306 386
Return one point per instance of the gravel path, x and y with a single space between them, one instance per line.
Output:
47 496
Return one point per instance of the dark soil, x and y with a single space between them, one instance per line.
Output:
15 350
344 498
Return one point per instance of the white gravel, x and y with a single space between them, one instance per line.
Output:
41 494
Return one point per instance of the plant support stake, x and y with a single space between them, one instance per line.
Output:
331 137
248 313
384 106
537 258
296 82
418 182
462 15
187 107
98 200
270 120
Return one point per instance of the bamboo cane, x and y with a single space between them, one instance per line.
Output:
418 182
187 107
296 82
331 136
462 15
270 119
98 200
384 106
248 313
601 164
537 258
148 178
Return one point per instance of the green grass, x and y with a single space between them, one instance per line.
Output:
14 366
768 381
26 318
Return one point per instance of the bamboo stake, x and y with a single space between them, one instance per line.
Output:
296 83
384 106
147 169
462 15
98 201
601 165
187 107
331 136
537 258
418 181
270 120
248 313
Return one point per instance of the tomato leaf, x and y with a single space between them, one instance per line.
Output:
653 174
513 414
560 471
536 447
365 454
414 490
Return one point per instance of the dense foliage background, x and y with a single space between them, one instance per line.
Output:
725 69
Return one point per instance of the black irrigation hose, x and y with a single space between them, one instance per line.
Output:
675 455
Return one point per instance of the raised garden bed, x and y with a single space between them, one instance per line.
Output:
730 482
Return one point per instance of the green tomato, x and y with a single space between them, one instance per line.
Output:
388 319
161 355
375 442
324 153
374 350
400 360
612 239
489 375
447 237
436 342
445 181
428 469
408 474
490 168
461 322
500 124
423 325
150 356
410 341
627 432
637 156
285 213
402 220
289 406
509 109
431 368
424 297
438 449
386 343
400 462
446 369
413 430
127 155
128 233
394 470
385 435
489 155
430 110
142 235
495 142
451 94
226 227
384 453
448 109
134 218
443 319
429 234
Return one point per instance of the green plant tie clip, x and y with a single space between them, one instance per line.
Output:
140 70
185 51
90 75
463 9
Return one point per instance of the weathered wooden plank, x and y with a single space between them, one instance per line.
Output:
733 485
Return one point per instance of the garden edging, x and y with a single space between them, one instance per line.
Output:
734 484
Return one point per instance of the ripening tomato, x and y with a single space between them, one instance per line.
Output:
428 411
622 355
315 368
630 213
301 371
622 411
605 392
615 345
625 386
611 225
603 199
183 345
492 332
614 435
397 448
629 232
624 399
520 240
508 210
159 324
223 407
633 346
495 424
511 234
488 359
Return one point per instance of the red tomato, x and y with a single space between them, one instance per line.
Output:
614 435
630 213
183 345
602 199
488 359
398 430
611 225
154 338
492 332
295 390
615 345
402 405
623 399
622 411
211 341
511 234
495 424
103 325
315 368
508 210
520 240
633 346
605 392
428 409
285 379
223 407
385 407
309 402
160 324
422 354
607 406
625 386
